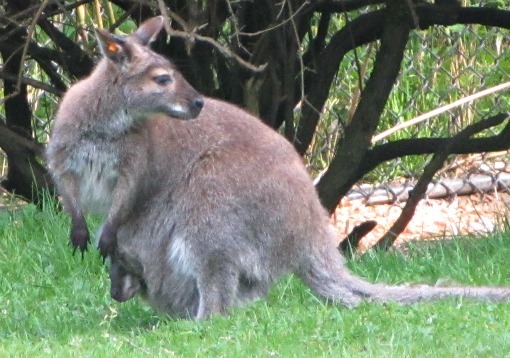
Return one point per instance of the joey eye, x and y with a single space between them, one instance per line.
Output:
163 79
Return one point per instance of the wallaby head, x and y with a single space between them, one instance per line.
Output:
148 83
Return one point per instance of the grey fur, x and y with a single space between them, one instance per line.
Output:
220 206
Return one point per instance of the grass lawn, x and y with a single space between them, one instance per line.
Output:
55 304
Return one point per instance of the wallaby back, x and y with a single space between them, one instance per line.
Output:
205 214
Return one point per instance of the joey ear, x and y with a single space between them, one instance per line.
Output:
112 46
149 29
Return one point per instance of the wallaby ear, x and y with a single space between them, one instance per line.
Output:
149 29
112 46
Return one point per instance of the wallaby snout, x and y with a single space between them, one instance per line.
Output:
185 101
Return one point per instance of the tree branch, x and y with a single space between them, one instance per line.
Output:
360 130
76 61
367 28
11 141
340 6
31 82
324 67
422 146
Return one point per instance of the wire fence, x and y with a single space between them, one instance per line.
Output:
441 65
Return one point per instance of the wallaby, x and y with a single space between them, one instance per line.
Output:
97 153
206 212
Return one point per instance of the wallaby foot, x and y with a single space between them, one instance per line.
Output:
213 302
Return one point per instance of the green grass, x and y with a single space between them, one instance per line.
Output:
55 304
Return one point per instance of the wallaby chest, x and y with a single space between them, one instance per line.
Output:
96 163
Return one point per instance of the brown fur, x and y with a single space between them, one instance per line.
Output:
218 207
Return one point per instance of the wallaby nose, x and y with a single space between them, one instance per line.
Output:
198 102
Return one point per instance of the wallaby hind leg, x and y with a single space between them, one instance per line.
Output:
217 285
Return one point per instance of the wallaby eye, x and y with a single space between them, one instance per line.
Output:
163 79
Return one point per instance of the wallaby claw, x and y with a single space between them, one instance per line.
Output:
82 251
79 239
107 242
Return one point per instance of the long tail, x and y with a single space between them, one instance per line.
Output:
416 293
328 276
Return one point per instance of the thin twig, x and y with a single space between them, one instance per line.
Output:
30 32
193 36
280 24
31 82
299 51
441 109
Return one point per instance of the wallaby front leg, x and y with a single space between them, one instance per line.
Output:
79 233
123 200
108 239
79 236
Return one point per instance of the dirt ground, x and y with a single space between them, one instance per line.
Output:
433 219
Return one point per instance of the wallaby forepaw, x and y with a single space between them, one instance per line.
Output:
105 249
107 242
79 239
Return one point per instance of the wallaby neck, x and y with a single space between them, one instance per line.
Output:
113 127
108 115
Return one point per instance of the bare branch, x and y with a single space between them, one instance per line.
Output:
280 24
30 32
11 141
350 243
339 6
359 132
31 82
193 36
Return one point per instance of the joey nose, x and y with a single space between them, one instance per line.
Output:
198 102
115 293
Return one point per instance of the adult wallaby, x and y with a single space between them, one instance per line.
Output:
207 212
97 153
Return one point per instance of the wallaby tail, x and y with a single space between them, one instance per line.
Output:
327 275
